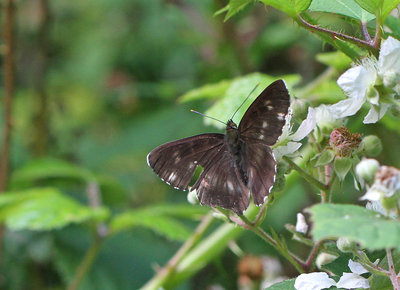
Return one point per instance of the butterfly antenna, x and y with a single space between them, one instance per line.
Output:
193 111
244 101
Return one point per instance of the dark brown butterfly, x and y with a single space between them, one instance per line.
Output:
234 164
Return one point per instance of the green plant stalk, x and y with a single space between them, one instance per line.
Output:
205 251
282 250
305 175
164 274
86 264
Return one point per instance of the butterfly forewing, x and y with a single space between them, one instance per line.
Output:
176 162
265 117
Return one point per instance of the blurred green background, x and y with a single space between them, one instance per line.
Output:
98 84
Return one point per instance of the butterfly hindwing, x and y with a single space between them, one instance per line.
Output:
261 171
175 162
264 119
220 184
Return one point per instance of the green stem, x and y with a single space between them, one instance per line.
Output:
305 175
85 265
295 261
393 276
164 274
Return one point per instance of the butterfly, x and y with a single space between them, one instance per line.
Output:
233 165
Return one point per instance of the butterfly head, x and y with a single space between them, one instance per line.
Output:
231 125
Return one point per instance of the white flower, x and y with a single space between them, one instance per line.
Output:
321 280
352 281
301 224
358 83
326 119
288 143
313 281
386 184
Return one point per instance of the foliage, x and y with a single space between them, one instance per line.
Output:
103 84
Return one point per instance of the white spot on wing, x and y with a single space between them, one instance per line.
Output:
261 137
230 185
267 102
265 124
270 108
147 159
281 116
195 162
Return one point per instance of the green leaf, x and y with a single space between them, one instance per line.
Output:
347 8
161 224
284 285
357 223
325 158
342 166
49 168
237 93
209 91
336 59
381 282
394 24
388 6
290 7
235 6
368 5
44 209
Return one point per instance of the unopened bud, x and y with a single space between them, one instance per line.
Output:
371 145
345 245
192 197
324 258
366 169
391 79
299 108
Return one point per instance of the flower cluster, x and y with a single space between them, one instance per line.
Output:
383 186
372 81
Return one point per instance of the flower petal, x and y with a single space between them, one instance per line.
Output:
301 224
289 148
389 56
355 81
306 126
352 281
347 107
372 194
376 113
313 281
357 268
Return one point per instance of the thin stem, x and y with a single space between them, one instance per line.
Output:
311 257
371 266
305 175
295 261
336 34
85 265
364 31
162 275
393 276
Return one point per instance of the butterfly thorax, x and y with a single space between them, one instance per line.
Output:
235 147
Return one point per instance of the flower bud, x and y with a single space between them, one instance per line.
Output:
371 145
345 245
192 197
301 224
299 108
366 169
324 258
391 78
343 142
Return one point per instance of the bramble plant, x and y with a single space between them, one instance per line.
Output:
344 238
333 245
